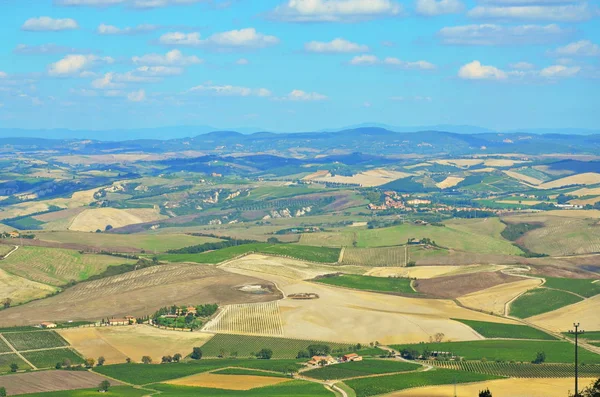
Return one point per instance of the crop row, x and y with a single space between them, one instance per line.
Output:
385 256
519 370
251 318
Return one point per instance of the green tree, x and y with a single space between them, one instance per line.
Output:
104 385
128 360
89 362
6 303
58 366
14 367
2 392
592 390
176 357
167 359
485 393
265 354
101 361
318 350
196 353
147 360
539 358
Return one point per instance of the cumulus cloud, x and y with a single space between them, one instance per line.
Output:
391 61
579 48
299 95
561 13
137 96
334 10
476 71
72 65
143 74
47 24
335 46
3 75
229 90
92 3
242 61
439 7
522 66
233 39
138 4
171 58
556 71
492 34
104 29
46 49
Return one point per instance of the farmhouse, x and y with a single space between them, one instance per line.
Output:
191 309
351 357
317 360
47 324
118 321
14 234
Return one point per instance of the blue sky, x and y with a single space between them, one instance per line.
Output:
294 65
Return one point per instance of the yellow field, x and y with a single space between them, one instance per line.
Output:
249 319
367 179
495 298
464 163
94 219
547 387
588 178
449 182
229 382
20 289
78 199
586 191
561 320
135 341
525 178
502 162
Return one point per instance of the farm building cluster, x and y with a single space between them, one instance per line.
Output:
321 361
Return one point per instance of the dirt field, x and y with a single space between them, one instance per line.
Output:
230 382
46 381
548 387
584 312
367 179
118 343
423 272
20 289
587 178
493 299
525 178
94 219
138 293
449 182
463 284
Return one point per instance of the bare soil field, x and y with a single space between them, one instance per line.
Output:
229 382
46 381
587 178
547 387
561 320
118 343
449 182
460 285
493 300
139 293
20 289
93 219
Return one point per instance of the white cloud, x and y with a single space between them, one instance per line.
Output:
522 66
159 71
143 74
129 30
476 71
3 75
364 60
423 65
335 46
76 64
492 34
561 13
439 7
171 58
556 71
137 96
579 48
139 4
92 3
334 10
47 24
230 90
106 81
242 38
242 61
299 95
46 49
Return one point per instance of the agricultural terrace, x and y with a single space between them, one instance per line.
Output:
519 370
356 369
57 266
223 345
369 283
512 331
249 318
506 350
295 388
541 300
376 385
583 287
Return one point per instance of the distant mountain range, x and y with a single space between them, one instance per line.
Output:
179 132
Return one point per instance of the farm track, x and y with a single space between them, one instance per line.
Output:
17 353
10 253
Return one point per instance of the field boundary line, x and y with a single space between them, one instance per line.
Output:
569 292
13 250
341 257
17 353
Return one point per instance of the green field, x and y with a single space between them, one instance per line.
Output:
114 391
372 386
369 283
360 368
508 350
588 335
7 359
498 330
520 370
583 287
141 374
246 346
389 256
541 300
49 358
295 388
249 372
303 252
35 340
4 347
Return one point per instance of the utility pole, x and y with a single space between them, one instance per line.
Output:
576 332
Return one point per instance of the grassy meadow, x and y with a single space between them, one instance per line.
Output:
513 331
541 300
369 283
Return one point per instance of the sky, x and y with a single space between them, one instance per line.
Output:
299 65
